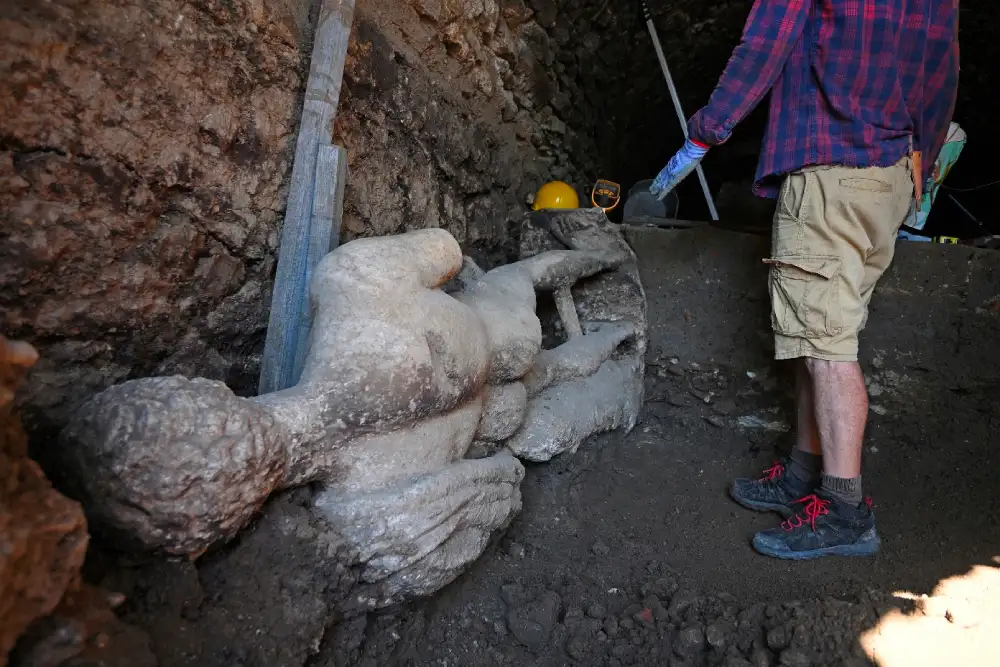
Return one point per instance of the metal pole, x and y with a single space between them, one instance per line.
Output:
677 104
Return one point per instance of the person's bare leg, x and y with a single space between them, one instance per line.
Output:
805 465
806 432
840 400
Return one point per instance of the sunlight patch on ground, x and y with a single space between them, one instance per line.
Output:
959 624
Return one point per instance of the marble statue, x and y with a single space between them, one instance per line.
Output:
414 403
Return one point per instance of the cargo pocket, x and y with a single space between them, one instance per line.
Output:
805 296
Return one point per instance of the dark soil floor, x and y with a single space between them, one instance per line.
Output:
630 552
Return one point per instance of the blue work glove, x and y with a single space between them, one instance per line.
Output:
679 168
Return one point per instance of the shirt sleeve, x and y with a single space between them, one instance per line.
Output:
771 31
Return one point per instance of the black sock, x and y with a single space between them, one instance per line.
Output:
847 489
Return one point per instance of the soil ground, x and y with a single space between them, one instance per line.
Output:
623 520
630 552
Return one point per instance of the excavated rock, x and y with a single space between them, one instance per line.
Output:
47 615
161 207
43 534
141 186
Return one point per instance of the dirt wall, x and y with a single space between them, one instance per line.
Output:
146 146
143 158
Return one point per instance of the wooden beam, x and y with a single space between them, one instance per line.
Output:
289 297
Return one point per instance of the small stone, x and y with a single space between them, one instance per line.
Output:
611 627
717 633
576 648
601 550
716 421
532 623
512 594
760 658
674 370
645 618
676 400
778 639
703 396
680 603
526 631
515 551
508 109
879 410
663 588
690 641
652 602
546 12
597 611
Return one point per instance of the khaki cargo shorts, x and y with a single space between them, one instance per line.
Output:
833 238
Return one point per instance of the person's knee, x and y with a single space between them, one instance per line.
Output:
825 367
844 374
816 366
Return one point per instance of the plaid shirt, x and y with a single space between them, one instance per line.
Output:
851 82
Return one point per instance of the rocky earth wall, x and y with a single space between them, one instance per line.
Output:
143 156
146 147
48 616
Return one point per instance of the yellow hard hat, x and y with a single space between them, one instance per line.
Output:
556 194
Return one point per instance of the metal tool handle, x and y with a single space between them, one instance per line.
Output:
677 103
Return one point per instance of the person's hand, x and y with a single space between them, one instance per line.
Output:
680 166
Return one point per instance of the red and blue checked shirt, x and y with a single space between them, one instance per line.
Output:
851 81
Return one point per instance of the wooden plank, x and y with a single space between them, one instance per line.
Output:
324 233
290 294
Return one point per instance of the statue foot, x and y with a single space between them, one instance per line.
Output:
555 424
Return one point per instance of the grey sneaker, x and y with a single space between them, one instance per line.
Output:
776 491
823 526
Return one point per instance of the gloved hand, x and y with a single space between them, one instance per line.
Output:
680 167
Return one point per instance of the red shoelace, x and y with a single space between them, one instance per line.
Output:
774 472
814 508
